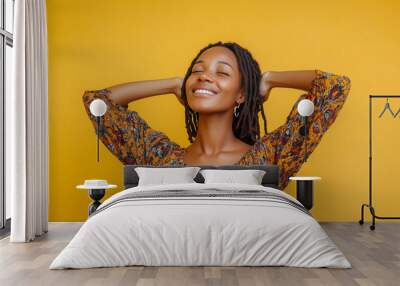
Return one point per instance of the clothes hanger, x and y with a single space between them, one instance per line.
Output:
397 113
387 107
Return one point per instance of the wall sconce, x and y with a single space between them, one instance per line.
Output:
98 108
305 108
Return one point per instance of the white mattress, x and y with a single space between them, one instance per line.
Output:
202 231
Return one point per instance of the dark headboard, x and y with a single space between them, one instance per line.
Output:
270 179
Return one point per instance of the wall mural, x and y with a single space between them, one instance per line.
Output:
223 92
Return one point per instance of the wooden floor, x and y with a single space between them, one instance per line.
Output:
374 255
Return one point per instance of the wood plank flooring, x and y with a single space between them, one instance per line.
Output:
374 255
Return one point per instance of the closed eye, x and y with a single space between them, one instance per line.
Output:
224 73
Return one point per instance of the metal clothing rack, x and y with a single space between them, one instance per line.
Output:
371 208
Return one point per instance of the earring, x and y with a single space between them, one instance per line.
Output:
235 110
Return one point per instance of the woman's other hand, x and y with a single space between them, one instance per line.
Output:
265 85
177 90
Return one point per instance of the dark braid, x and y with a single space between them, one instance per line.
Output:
246 126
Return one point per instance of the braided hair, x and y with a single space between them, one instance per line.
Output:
246 126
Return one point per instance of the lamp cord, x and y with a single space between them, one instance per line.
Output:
305 138
98 131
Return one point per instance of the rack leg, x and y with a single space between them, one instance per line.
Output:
374 216
361 221
372 227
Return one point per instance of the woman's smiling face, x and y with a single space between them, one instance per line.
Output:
214 82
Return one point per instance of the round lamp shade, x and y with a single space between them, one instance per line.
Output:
305 107
98 107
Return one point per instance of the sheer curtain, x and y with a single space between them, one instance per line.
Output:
27 124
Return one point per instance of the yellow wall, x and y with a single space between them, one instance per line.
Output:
97 43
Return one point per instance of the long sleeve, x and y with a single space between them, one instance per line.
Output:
285 145
127 135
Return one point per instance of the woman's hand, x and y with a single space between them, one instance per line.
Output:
265 85
177 90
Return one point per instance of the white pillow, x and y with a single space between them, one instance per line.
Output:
162 176
249 177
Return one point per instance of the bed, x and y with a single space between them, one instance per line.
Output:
201 224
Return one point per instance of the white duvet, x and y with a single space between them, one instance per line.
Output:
204 231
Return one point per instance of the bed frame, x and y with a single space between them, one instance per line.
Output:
270 179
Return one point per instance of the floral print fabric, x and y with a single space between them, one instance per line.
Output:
133 141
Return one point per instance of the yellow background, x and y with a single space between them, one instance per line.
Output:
94 44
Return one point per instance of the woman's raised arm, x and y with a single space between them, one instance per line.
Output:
126 92
126 134
285 145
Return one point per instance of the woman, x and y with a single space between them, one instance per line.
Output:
223 92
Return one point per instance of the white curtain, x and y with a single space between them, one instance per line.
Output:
27 124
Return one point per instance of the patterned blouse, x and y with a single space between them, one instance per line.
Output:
133 141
